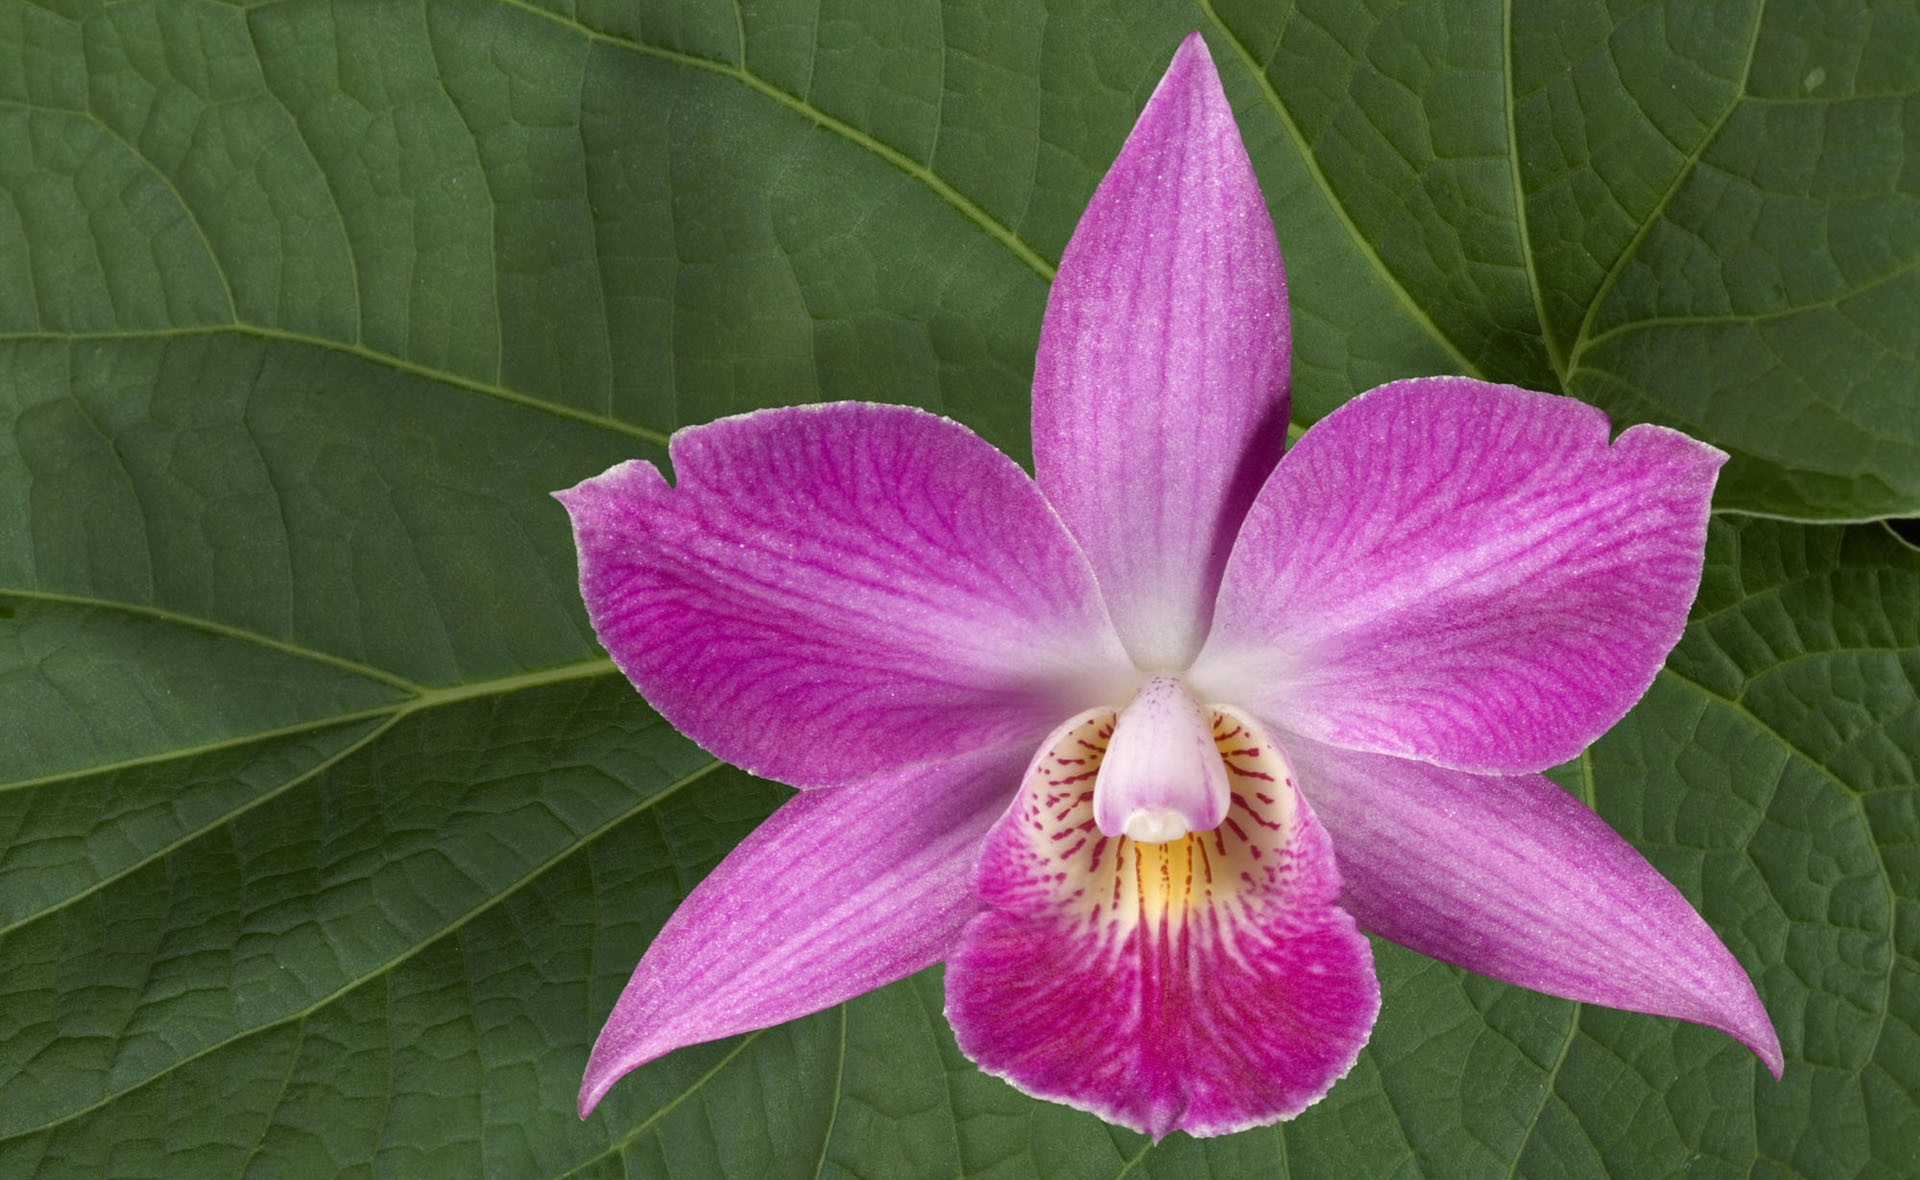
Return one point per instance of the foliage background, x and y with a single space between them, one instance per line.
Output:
328 834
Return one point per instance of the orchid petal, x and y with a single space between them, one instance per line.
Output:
1463 573
1160 387
834 592
1513 878
840 891
1207 984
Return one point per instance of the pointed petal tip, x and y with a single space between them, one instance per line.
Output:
599 499
1168 313
1723 999
1750 1025
1680 448
590 1096
613 1059
1740 1016
619 1051
839 892
1775 1063
596 1082
1449 865
1192 70
1192 54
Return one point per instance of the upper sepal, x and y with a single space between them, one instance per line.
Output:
1160 386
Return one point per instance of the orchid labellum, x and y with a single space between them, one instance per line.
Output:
1139 746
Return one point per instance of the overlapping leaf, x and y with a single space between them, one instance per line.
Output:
329 836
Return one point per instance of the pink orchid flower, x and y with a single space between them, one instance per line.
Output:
1139 746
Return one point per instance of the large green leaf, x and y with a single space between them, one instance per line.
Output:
329 834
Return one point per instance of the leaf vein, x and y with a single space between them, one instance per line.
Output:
839 1096
1556 361
621 1144
963 204
189 836
1654 323
1547 1085
186 209
1312 164
225 630
279 1097
1689 162
326 183
372 356
384 969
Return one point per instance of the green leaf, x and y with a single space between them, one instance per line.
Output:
327 833
1702 215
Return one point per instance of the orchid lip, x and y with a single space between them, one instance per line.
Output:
1207 983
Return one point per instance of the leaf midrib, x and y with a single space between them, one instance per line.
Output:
1555 361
